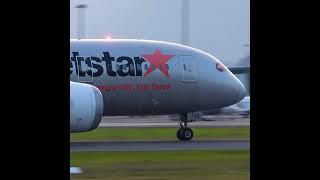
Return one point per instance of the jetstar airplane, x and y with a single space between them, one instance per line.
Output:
111 77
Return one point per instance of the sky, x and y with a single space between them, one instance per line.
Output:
219 27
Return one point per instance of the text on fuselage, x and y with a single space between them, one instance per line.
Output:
121 66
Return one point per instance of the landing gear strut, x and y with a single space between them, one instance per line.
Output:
184 133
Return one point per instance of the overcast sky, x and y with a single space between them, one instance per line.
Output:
220 27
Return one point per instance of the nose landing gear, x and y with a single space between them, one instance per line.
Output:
184 133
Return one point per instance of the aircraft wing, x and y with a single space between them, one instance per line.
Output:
240 69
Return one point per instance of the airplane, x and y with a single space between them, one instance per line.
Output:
112 77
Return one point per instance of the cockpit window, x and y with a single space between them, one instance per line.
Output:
220 67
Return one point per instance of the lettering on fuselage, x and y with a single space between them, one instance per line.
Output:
121 66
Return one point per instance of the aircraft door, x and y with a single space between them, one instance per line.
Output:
85 72
188 69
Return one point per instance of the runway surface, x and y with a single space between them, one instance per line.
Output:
160 145
172 121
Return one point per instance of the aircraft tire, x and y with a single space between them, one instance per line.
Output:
179 134
187 134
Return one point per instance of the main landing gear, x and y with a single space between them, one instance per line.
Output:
184 133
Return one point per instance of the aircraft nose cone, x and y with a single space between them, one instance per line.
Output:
241 91
237 91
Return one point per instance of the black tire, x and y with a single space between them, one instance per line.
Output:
179 134
187 134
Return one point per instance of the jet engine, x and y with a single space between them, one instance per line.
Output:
86 107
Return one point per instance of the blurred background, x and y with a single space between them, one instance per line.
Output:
219 27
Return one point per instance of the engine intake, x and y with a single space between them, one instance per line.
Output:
86 107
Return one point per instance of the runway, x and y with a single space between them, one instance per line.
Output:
172 121
160 145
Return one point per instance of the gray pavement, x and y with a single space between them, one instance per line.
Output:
160 145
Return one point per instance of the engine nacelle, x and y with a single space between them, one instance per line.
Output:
86 107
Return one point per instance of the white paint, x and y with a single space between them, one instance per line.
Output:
75 170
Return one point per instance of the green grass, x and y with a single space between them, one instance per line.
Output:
186 165
107 134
